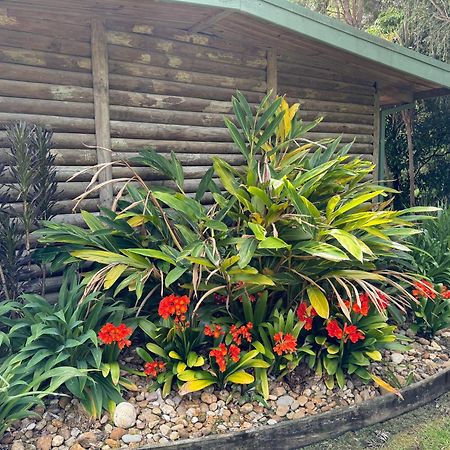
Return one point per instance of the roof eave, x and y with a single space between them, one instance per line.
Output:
338 35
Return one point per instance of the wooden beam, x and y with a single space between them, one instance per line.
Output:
272 72
376 137
204 24
439 92
100 74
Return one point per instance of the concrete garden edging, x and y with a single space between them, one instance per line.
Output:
294 434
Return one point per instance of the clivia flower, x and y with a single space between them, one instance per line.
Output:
445 292
216 332
424 289
334 330
221 352
174 305
284 343
364 305
110 333
383 301
153 368
306 315
349 332
242 332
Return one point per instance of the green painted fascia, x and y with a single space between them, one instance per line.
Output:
336 34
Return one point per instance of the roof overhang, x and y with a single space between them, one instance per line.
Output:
342 37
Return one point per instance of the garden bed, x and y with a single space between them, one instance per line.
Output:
65 425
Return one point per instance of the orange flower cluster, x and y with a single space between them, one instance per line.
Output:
174 305
240 333
153 368
110 333
424 289
363 307
306 315
220 354
349 332
215 333
284 343
445 292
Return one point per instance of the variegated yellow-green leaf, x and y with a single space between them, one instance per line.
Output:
195 385
375 355
181 367
240 377
115 372
174 355
200 361
114 274
319 302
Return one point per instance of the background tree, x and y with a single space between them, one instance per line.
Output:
417 140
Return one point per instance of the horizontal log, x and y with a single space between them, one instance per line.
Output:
44 59
304 80
171 132
63 206
190 186
336 117
331 106
288 67
62 140
33 41
42 24
174 48
199 39
313 94
56 123
151 115
338 128
9 88
65 191
163 146
130 55
177 103
19 72
185 76
165 87
46 107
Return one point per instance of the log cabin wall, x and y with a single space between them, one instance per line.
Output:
167 88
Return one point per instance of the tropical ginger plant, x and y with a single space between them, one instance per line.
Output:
301 219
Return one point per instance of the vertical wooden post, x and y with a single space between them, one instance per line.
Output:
377 137
100 75
272 72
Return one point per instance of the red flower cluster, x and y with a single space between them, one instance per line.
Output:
174 305
424 289
216 332
240 333
285 343
383 301
364 306
220 353
306 315
153 368
349 332
445 292
110 333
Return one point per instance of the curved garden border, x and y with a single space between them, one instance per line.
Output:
294 434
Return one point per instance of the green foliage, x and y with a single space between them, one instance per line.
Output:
18 396
430 255
45 337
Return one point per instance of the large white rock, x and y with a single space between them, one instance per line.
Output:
124 415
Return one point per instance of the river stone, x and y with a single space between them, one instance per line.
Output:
285 400
397 358
129 438
124 415
44 442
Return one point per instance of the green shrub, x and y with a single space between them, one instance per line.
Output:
45 337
